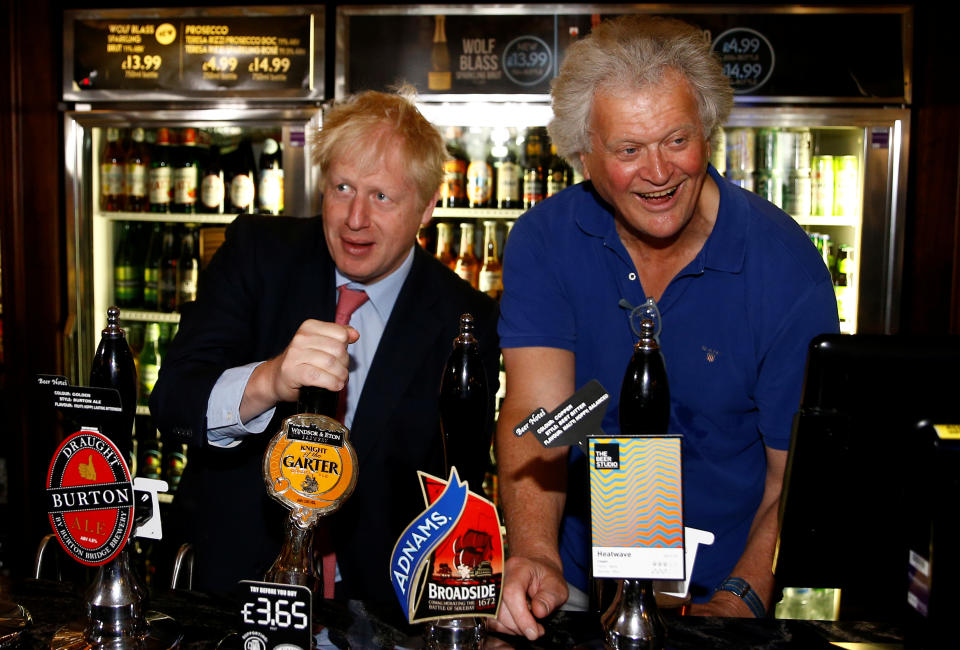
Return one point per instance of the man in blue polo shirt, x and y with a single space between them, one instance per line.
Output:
740 290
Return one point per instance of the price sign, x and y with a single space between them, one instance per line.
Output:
747 58
116 50
527 60
274 615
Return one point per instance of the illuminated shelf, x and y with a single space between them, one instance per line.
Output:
149 316
167 217
851 222
476 213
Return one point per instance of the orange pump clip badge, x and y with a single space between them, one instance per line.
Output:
310 466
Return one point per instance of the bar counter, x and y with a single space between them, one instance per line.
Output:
207 622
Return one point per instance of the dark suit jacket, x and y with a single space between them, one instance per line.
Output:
270 275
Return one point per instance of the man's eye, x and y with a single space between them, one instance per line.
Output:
342 187
382 197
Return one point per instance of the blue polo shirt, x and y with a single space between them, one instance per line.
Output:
736 325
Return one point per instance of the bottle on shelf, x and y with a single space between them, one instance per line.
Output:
439 77
445 244
479 171
167 278
534 174
149 366
490 280
243 186
112 162
506 170
188 266
843 285
559 173
136 173
161 172
113 367
186 177
128 266
270 188
453 192
212 187
150 450
151 267
467 265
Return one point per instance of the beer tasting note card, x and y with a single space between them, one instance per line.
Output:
448 563
572 421
636 507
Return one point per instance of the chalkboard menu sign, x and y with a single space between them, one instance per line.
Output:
247 52
769 53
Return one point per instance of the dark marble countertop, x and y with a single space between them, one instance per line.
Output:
207 622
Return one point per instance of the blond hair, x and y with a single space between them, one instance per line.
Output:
369 124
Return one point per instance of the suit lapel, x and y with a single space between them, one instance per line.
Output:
411 330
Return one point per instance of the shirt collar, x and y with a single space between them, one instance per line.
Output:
725 247
383 293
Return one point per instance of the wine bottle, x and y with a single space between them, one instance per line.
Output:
186 177
188 266
270 188
135 178
479 172
534 175
161 173
113 367
149 362
128 266
111 173
243 185
507 171
151 267
212 187
439 77
467 266
167 277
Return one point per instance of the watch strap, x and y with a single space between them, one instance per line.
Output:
742 589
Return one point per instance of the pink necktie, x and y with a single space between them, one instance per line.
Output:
347 303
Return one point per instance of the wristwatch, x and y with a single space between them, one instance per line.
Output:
742 589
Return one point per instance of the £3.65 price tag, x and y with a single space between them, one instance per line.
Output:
274 616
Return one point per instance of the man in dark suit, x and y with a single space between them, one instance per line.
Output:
263 326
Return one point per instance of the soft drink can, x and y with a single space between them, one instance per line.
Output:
767 148
740 150
822 186
796 193
769 185
796 146
846 186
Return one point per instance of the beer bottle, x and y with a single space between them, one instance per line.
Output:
464 408
534 175
167 277
844 283
439 77
150 451
559 173
185 174
467 266
645 394
151 267
479 173
212 188
174 455
127 266
243 188
270 188
453 192
111 173
113 367
507 171
149 363
188 266
135 178
490 280
445 244
161 173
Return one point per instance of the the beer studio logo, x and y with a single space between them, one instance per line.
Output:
606 455
90 497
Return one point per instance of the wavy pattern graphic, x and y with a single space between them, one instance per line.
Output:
640 504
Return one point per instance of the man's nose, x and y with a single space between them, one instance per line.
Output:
655 167
357 217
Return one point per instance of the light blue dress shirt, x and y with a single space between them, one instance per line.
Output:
224 428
